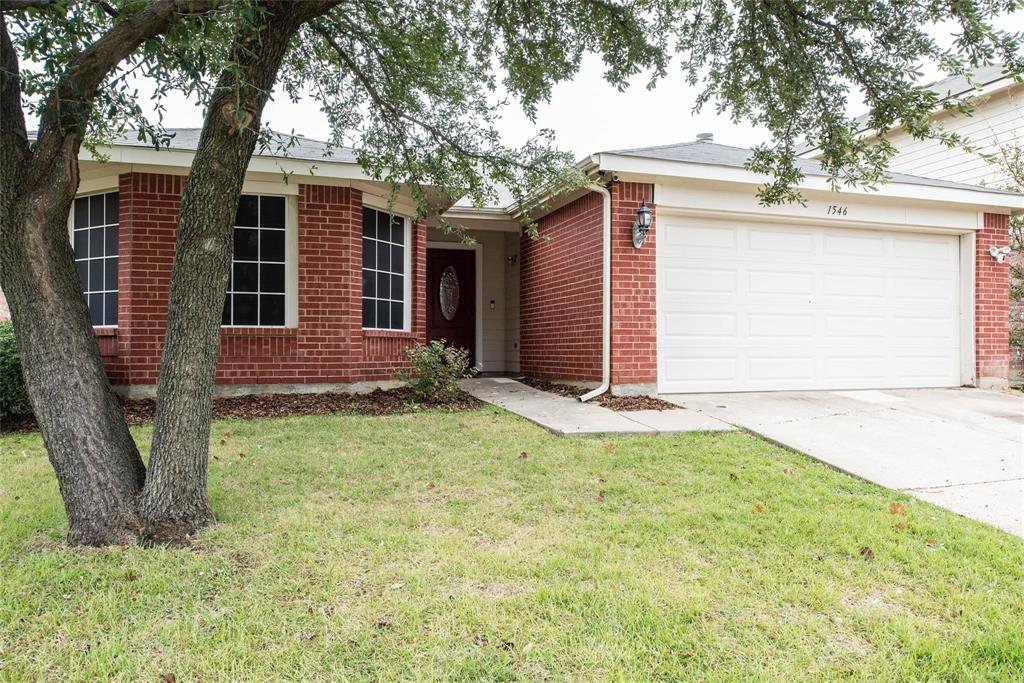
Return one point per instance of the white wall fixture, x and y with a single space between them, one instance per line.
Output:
999 253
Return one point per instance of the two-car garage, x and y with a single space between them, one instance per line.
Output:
894 287
755 306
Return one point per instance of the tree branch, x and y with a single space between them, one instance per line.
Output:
67 110
389 108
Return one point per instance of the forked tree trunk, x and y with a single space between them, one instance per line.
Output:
175 502
98 467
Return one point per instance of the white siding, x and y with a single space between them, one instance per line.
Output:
512 302
997 121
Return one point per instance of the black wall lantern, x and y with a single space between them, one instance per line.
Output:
642 225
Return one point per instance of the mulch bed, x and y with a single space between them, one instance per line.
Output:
379 402
620 403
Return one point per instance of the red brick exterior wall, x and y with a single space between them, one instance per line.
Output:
560 294
560 300
328 345
992 303
634 289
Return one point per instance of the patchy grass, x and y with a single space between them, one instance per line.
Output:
475 546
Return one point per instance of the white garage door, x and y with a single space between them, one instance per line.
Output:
760 306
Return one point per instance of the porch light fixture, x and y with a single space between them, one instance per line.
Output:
999 253
642 225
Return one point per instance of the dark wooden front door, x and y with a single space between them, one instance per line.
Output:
451 298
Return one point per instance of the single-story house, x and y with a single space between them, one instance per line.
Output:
853 290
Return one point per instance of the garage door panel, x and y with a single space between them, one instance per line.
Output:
805 308
700 237
692 279
691 327
842 326
922 328
860 247
762 281
936 290
768 327
700 370
931 249
857 367
854 285
787 241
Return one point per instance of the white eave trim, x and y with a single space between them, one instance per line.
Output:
730 174
182 159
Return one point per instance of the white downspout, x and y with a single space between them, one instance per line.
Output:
606 295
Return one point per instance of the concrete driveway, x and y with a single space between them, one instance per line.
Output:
962 449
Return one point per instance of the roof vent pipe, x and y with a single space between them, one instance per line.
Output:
705 137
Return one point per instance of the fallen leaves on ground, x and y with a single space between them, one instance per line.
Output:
620 403
379 402
867 553
897 508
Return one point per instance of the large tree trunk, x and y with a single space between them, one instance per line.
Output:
98 467
175 502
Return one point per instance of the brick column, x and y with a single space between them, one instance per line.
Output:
634 295
149 206
992 305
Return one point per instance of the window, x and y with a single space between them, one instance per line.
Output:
256 291
384 271
94 235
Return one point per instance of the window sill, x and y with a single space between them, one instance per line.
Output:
105 331
389 334
259 331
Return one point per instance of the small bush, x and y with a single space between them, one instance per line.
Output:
13 397
436 371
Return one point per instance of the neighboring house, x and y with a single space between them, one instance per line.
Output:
893 288
5 312
997 122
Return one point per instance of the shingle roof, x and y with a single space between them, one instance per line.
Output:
714 154
958 85
302 148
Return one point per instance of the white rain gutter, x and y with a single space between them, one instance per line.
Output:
606 294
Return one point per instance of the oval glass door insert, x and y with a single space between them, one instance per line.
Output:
449 293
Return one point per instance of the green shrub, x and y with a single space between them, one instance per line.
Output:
13 397
436 371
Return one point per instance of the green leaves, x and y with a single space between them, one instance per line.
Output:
419 87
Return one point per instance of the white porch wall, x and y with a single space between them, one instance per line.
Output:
494 289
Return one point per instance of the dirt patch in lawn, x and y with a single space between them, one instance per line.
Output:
379 402
620 403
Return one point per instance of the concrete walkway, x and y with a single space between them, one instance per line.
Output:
962 449
567 416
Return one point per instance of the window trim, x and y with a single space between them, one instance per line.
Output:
291 269
406 272
71 241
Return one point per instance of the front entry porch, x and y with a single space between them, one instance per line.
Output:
472 294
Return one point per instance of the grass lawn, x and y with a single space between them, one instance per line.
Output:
475 546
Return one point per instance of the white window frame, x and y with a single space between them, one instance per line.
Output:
291 252
406 271
71 240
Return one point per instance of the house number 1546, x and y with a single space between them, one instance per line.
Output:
834 210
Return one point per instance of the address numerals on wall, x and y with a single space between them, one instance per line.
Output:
836 210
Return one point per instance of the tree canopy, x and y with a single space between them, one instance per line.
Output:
418 87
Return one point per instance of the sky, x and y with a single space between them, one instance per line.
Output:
587 114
